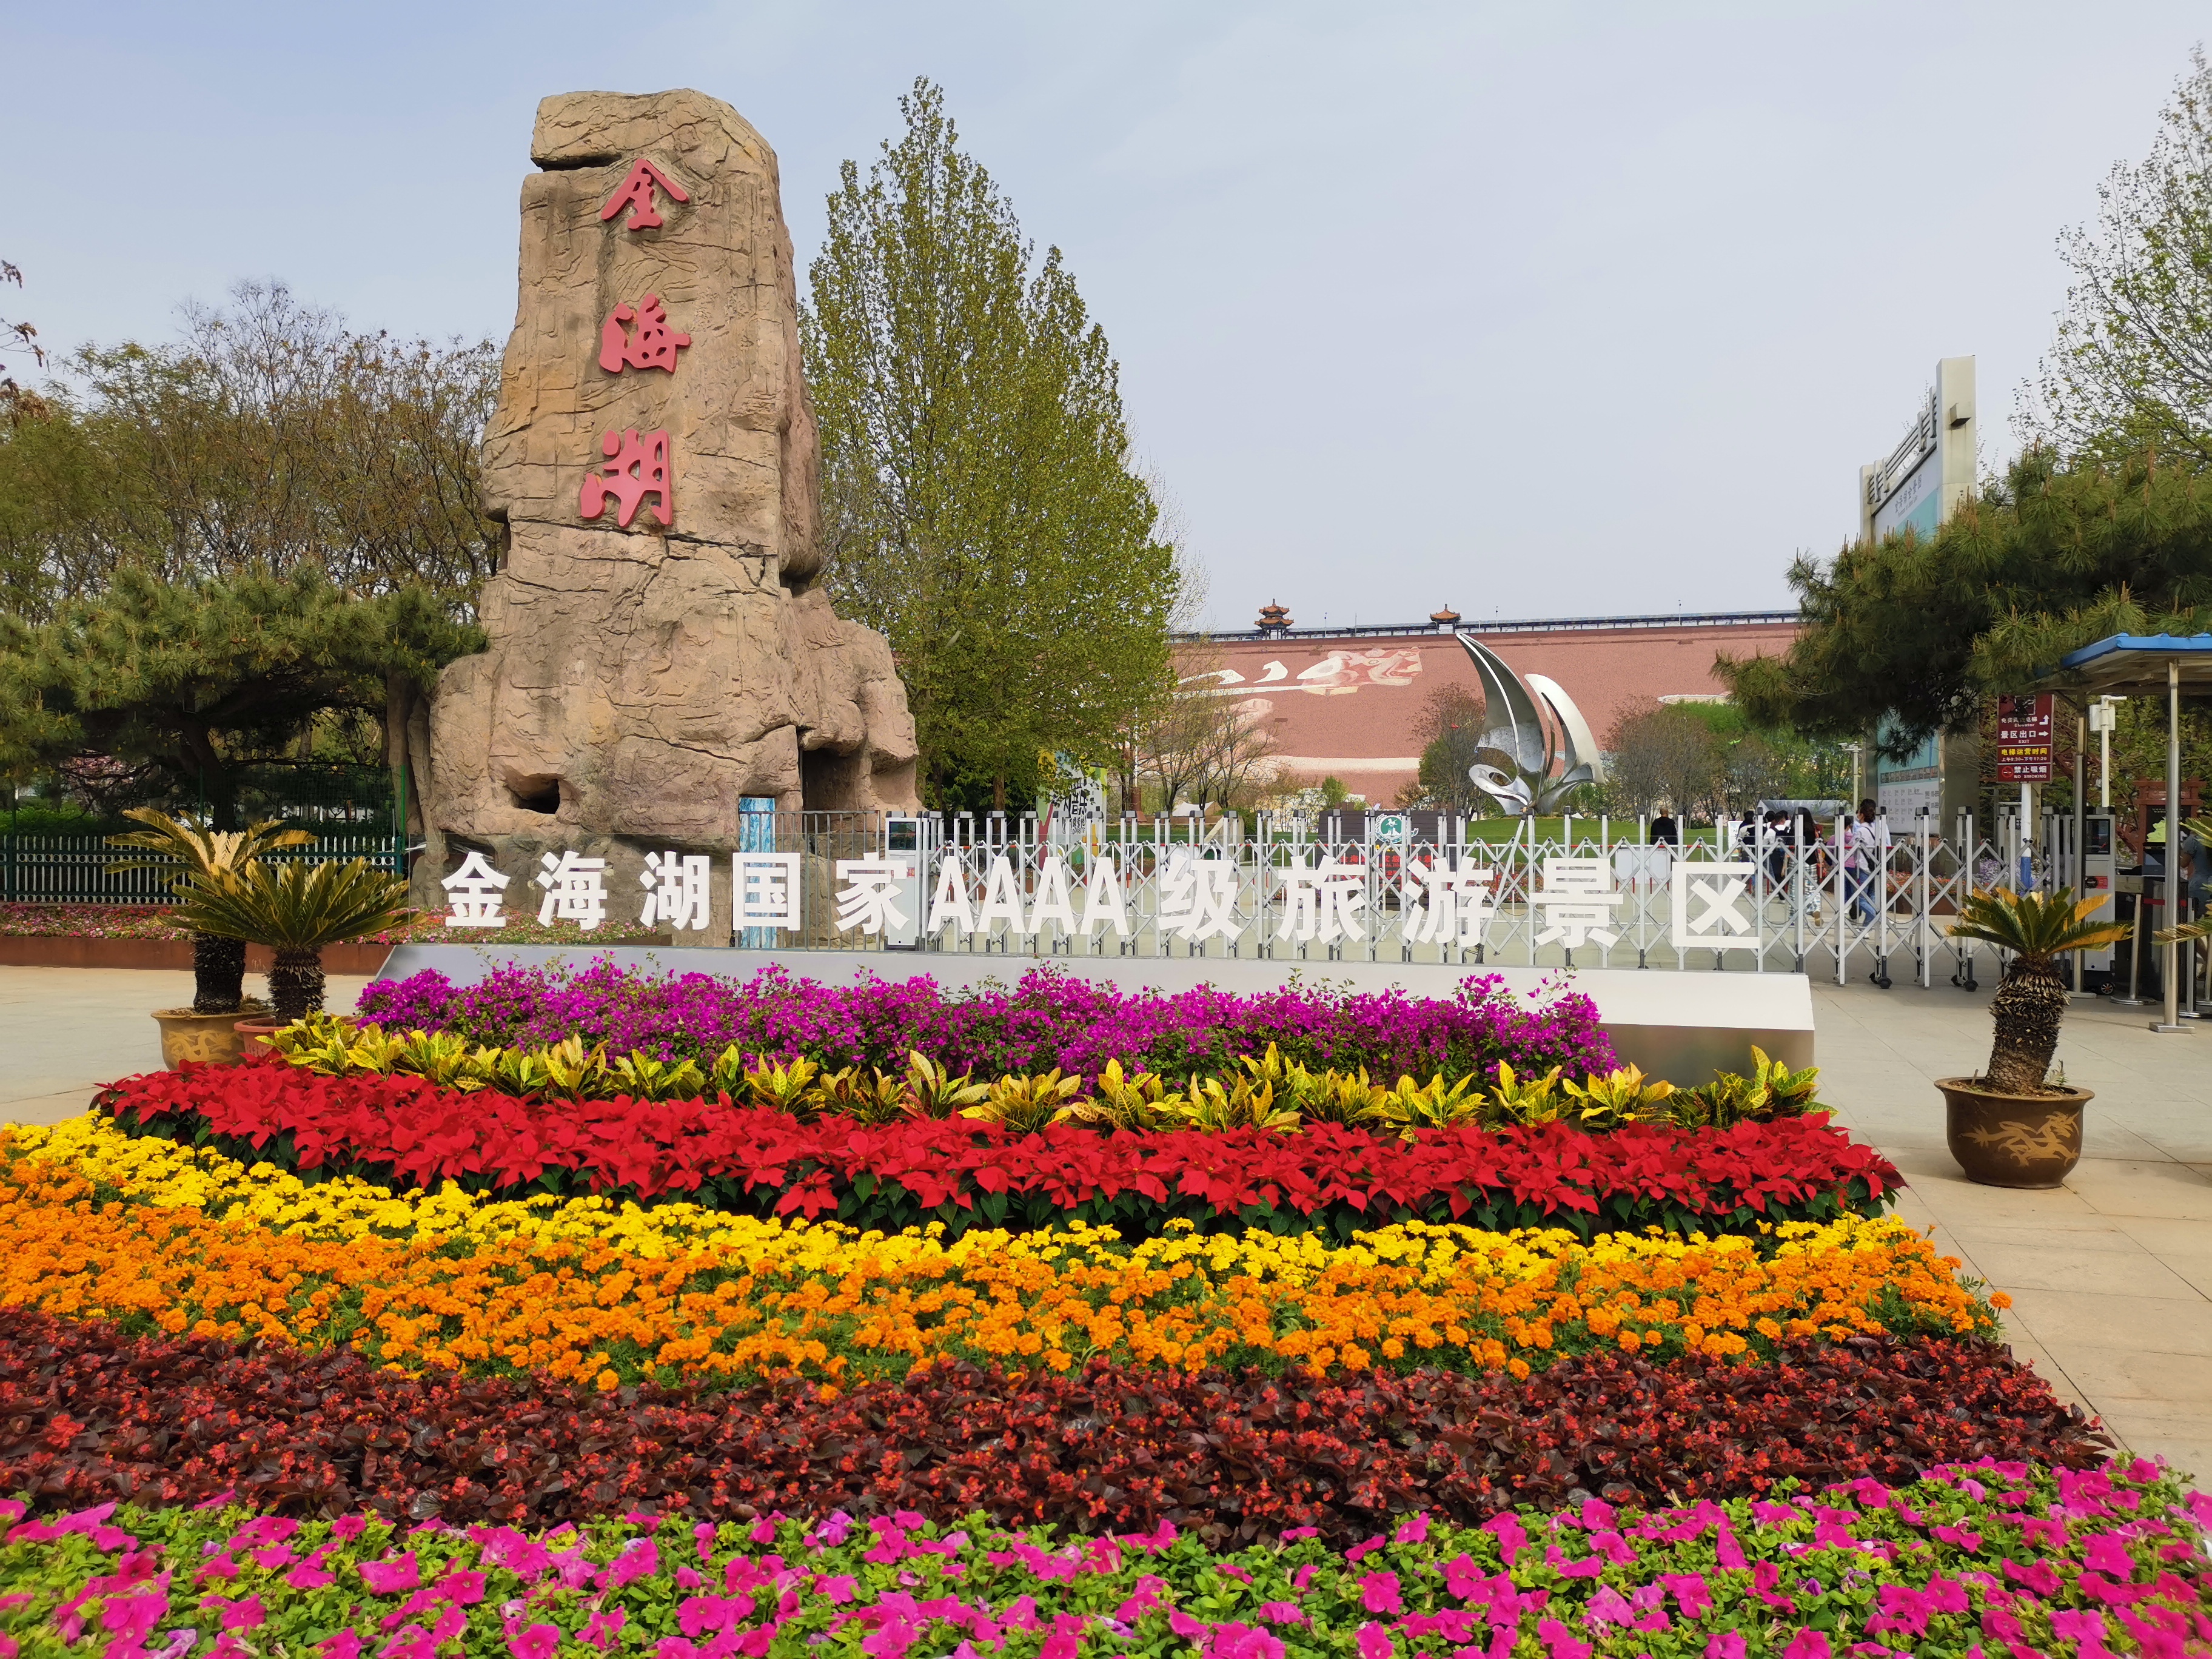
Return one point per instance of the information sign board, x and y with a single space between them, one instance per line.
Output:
2024 724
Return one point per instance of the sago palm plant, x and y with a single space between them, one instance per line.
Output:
218 963
296 910
2031 1001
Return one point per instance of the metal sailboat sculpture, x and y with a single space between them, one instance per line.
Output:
1517 731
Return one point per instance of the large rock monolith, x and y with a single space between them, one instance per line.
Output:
658 649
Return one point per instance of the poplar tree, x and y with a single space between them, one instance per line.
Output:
2130 371
978 499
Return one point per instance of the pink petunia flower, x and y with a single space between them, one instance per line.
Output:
1378 1593
391 1575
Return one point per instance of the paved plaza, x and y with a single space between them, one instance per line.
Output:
2111 1278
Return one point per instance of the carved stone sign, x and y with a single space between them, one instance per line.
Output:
658 649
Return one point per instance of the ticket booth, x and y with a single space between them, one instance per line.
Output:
2169 668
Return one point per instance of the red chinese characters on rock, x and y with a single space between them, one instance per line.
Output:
652 345
635 193
637 466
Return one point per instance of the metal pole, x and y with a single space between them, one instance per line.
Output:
1922 937
2081 881
2173 965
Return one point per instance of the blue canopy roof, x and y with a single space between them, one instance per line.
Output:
2140 660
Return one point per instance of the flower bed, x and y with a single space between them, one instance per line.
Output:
1047 1020
199 1244
1996 1552
403 1131
87 1414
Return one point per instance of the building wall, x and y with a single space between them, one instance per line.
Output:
1347 703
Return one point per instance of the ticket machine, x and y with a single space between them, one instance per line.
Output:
909 841
2100 866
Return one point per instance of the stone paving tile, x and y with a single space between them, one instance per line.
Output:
2113 1375
46 1109
2063 1267
2111 1275
2164 1190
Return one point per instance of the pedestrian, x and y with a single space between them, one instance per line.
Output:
1812 861
1868 859
1664 831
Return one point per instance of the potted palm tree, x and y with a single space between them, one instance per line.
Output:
207 1031
294 911
2012 1125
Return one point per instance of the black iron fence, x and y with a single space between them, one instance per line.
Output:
75 869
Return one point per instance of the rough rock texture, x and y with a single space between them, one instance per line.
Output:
640 681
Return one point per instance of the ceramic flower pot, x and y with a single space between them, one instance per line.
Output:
2013 1140
253 1034
204 1039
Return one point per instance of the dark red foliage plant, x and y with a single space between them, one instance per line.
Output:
407 1132
86 1415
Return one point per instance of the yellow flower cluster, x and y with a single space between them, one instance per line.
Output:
103 1224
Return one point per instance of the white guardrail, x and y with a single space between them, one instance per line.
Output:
1404 888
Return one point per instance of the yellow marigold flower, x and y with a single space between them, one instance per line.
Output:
591 1290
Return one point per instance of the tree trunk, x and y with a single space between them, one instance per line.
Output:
2027 1009
295 984
218 973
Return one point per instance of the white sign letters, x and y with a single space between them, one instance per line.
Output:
1713 908
575 890
1578 902
473 892
676 890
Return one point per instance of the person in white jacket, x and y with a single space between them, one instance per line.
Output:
1866 858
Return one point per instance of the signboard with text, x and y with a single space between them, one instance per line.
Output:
2024 724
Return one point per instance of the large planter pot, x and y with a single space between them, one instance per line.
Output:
2013 1140
204 1039
253 1035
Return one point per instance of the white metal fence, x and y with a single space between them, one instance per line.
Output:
1371 887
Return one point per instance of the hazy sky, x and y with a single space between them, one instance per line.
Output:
1540 309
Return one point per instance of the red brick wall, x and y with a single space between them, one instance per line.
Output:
1356 719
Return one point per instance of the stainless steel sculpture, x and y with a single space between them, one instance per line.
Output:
1517 731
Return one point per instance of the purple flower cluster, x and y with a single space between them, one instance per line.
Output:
1048 1019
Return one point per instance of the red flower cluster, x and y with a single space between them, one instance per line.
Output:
86 1415
407 1131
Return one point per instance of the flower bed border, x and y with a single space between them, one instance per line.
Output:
166 955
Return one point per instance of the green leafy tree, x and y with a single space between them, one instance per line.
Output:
2055 557
2131 368
1450 733
270 437
185 682
978 498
